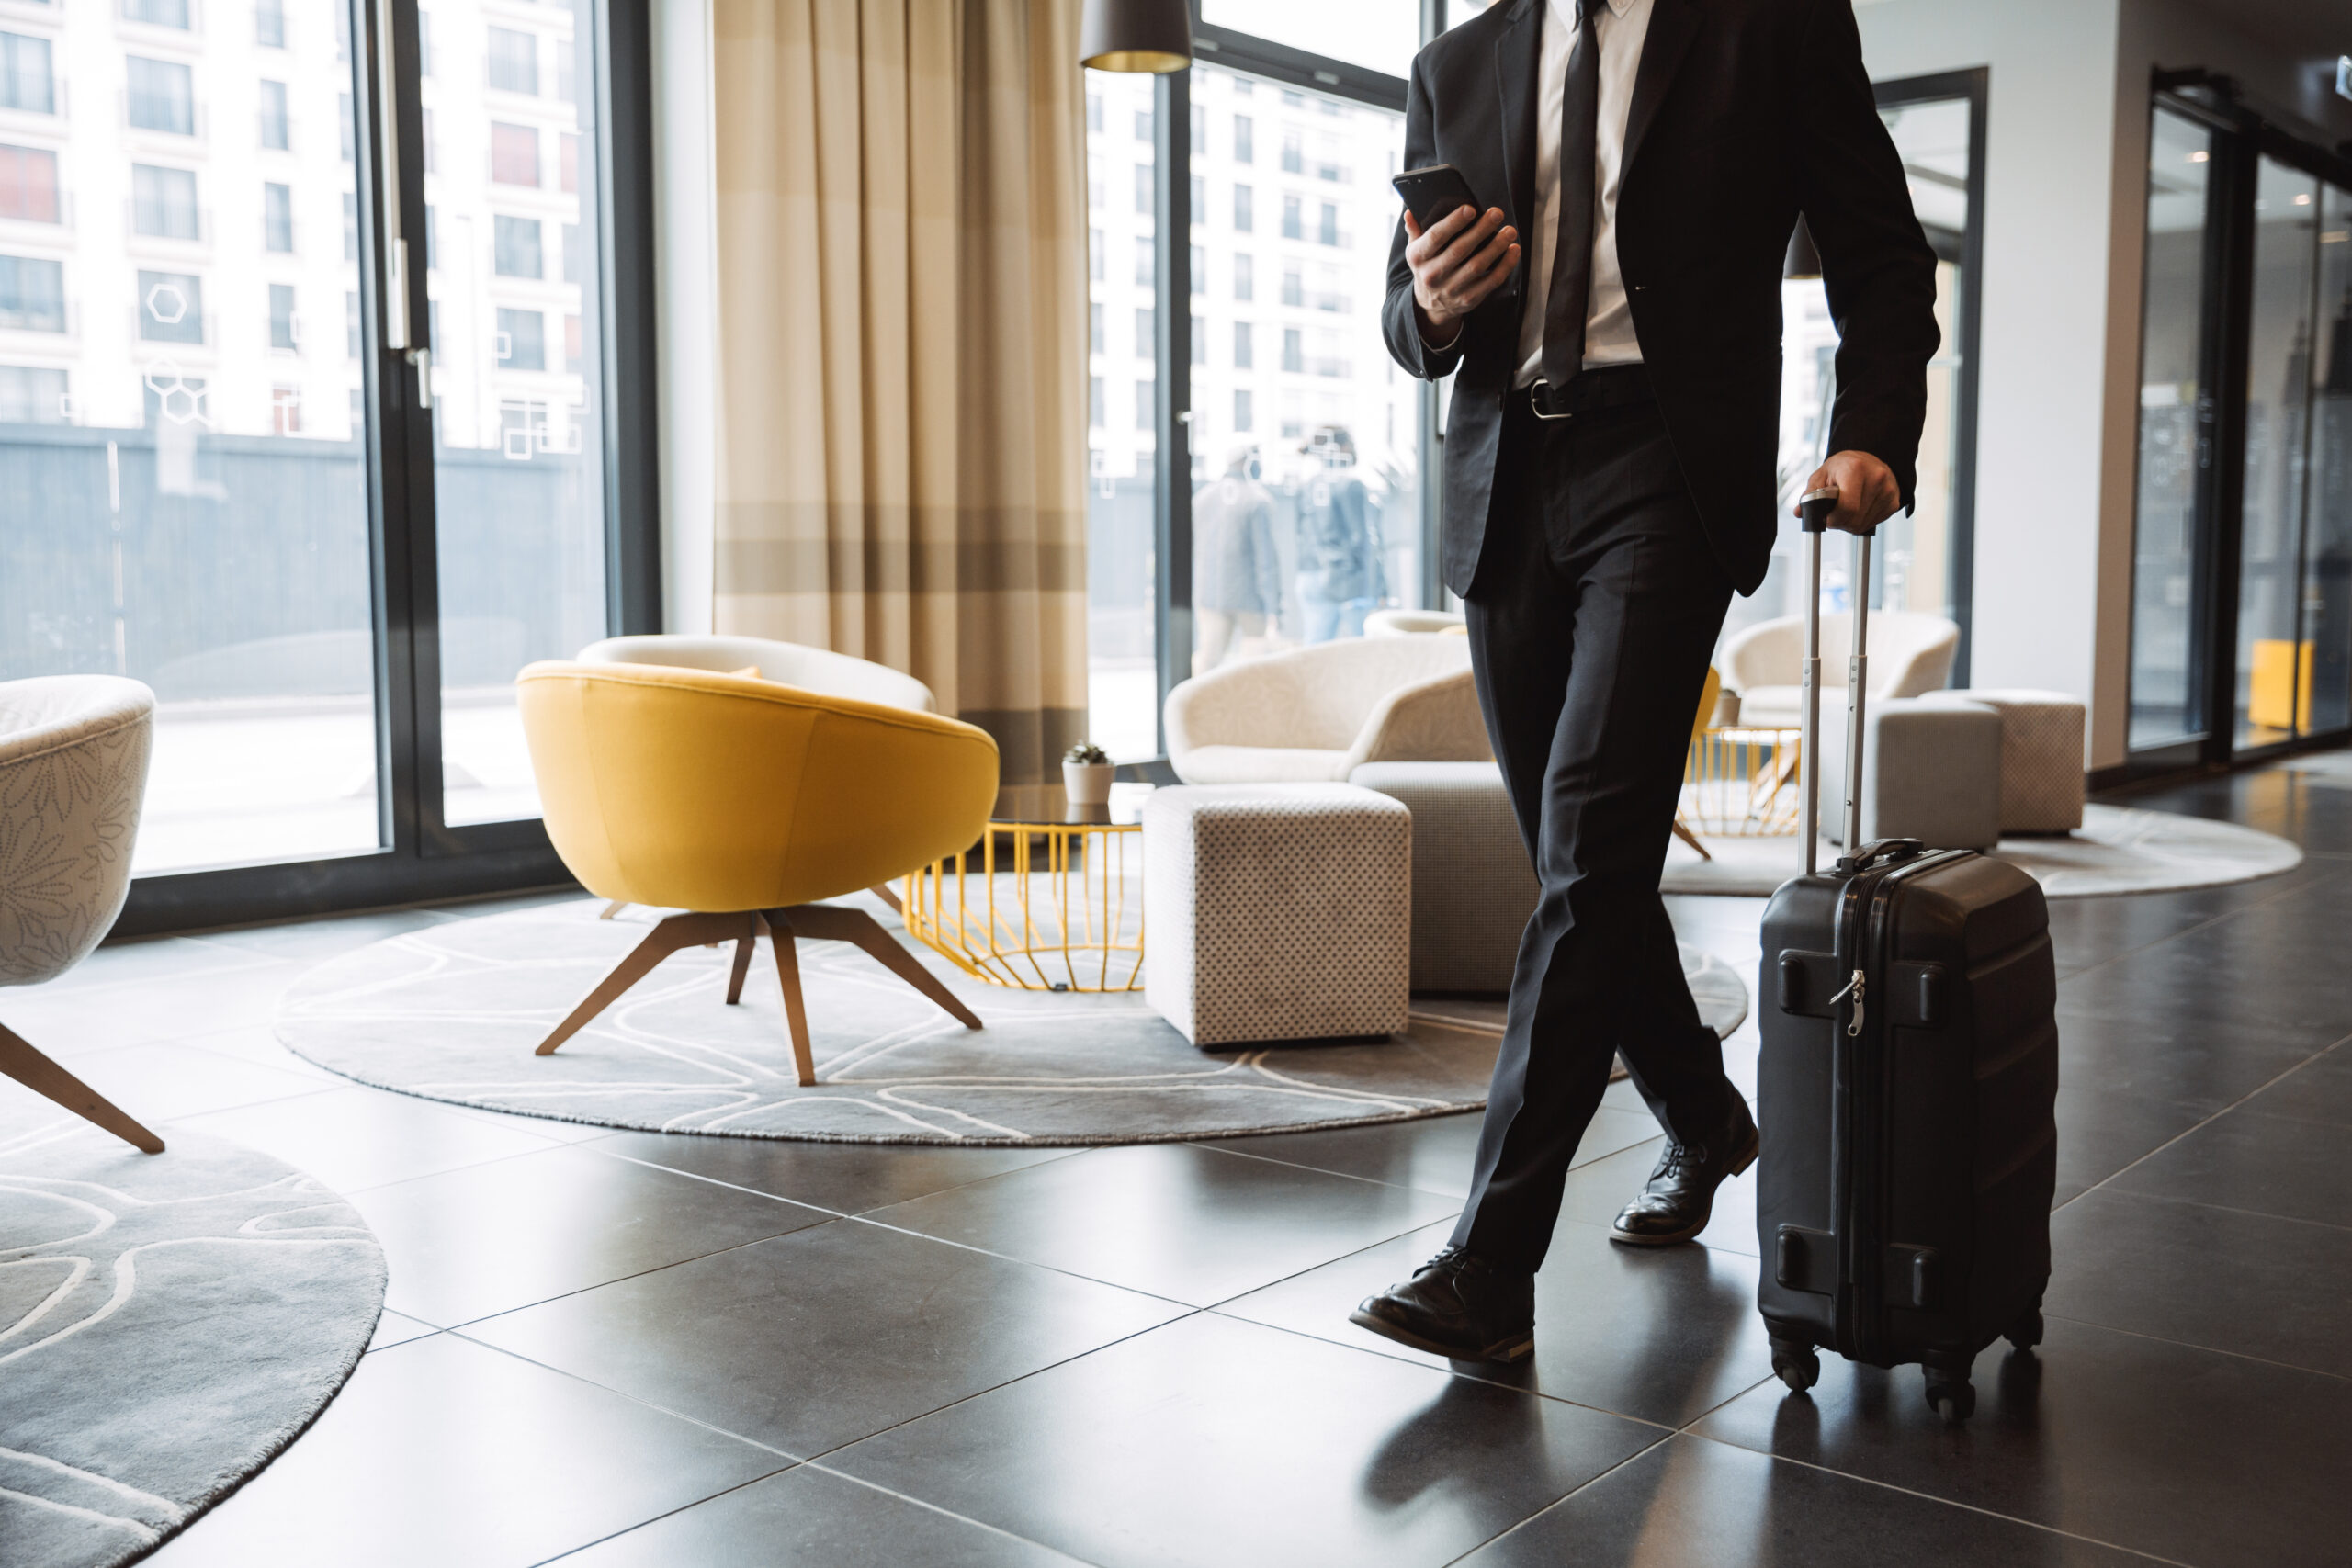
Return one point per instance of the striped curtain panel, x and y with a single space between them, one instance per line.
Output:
901 456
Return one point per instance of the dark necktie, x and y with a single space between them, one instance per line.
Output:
1570 302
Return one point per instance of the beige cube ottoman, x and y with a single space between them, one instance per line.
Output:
2042 759
1277 911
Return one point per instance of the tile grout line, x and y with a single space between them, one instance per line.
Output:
2192 1345
2262 903
668 1514
2201 1126
2231 1208
1563 1497
909 1497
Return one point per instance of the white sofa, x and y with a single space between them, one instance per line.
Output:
1909 653
1314 715
1415 622
789 664
72 776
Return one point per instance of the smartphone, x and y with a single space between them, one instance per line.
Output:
1429 194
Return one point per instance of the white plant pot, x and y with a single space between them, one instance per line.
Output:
1088 784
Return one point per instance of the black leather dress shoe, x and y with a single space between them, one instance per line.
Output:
1681 1196
1456 1306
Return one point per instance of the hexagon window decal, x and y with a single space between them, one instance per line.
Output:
167 304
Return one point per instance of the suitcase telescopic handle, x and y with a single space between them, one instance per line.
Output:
1814 507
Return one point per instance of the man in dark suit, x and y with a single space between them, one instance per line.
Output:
1612 319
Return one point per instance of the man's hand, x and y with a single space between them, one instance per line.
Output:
1462 259
1867 493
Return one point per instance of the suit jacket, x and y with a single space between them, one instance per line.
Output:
1745 114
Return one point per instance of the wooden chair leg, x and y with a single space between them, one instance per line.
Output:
833 922
614 908
743 945
889 894
796 1011
677 932
1688 837
30 1067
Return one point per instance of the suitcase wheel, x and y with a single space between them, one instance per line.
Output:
1795 1363
1950 1395
2026 1332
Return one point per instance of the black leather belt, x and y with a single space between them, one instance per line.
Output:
1603 387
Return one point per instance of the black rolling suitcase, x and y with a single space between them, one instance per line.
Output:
1906 1089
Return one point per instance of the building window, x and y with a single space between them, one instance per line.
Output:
1145 268
277 217
163 96
566 161
351 324
514 61
1294 287
269 23
1147 324
1293 153
566 89
1243 420
281 317
1244 357
1294 223
514 154
24 80
1294 351
171 307
1199 120
1245 212
515 243
1328 231
1094 254
286 410
1143 189
275 131
572 360
1200 340
27 184
1200 210
157 13
162 202
1244 143
1094 111
1143 124
522 340
1095 402
574 269
31 395
349 132
351 228
1245 277
32 295
1094 329
1144 400
1199 270
424 44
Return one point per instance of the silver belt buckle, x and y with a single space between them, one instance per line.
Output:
1535 391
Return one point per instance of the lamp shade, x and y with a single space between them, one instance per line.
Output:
1135 35
1804 261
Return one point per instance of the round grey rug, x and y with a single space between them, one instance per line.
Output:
453 1013
2117 850
168 1323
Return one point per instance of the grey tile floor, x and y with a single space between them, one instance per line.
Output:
619 1349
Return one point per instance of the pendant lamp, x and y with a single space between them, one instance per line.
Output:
1135 35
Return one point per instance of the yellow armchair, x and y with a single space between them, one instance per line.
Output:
743 803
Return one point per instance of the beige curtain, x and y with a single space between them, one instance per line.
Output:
903 356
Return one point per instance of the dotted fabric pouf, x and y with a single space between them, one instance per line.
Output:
1277 911
2041 759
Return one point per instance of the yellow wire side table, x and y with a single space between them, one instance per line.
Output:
1741 783
1049 907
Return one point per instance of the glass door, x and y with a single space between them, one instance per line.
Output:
2327 528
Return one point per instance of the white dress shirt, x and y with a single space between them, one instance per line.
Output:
1621 27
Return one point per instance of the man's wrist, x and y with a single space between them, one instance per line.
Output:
1432 330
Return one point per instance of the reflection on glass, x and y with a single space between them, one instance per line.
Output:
2327 538
185 488
518 475
2164 633
1383 35
2274 663
1911 564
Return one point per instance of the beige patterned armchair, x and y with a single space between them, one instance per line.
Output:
73 774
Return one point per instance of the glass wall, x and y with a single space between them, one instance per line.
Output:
182 381
511 264
2328 536
2167 656
2273 663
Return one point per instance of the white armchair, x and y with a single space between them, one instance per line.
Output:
1314 715
1415 622
1910 652
72 774
789 664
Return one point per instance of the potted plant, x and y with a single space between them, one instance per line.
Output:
1085 774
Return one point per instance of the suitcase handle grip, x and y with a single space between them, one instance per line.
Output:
1879 849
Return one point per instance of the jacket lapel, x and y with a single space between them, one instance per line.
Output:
1517 57
1673 24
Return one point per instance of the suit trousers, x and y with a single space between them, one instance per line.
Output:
1595 610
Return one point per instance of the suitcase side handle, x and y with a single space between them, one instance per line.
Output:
1814 507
